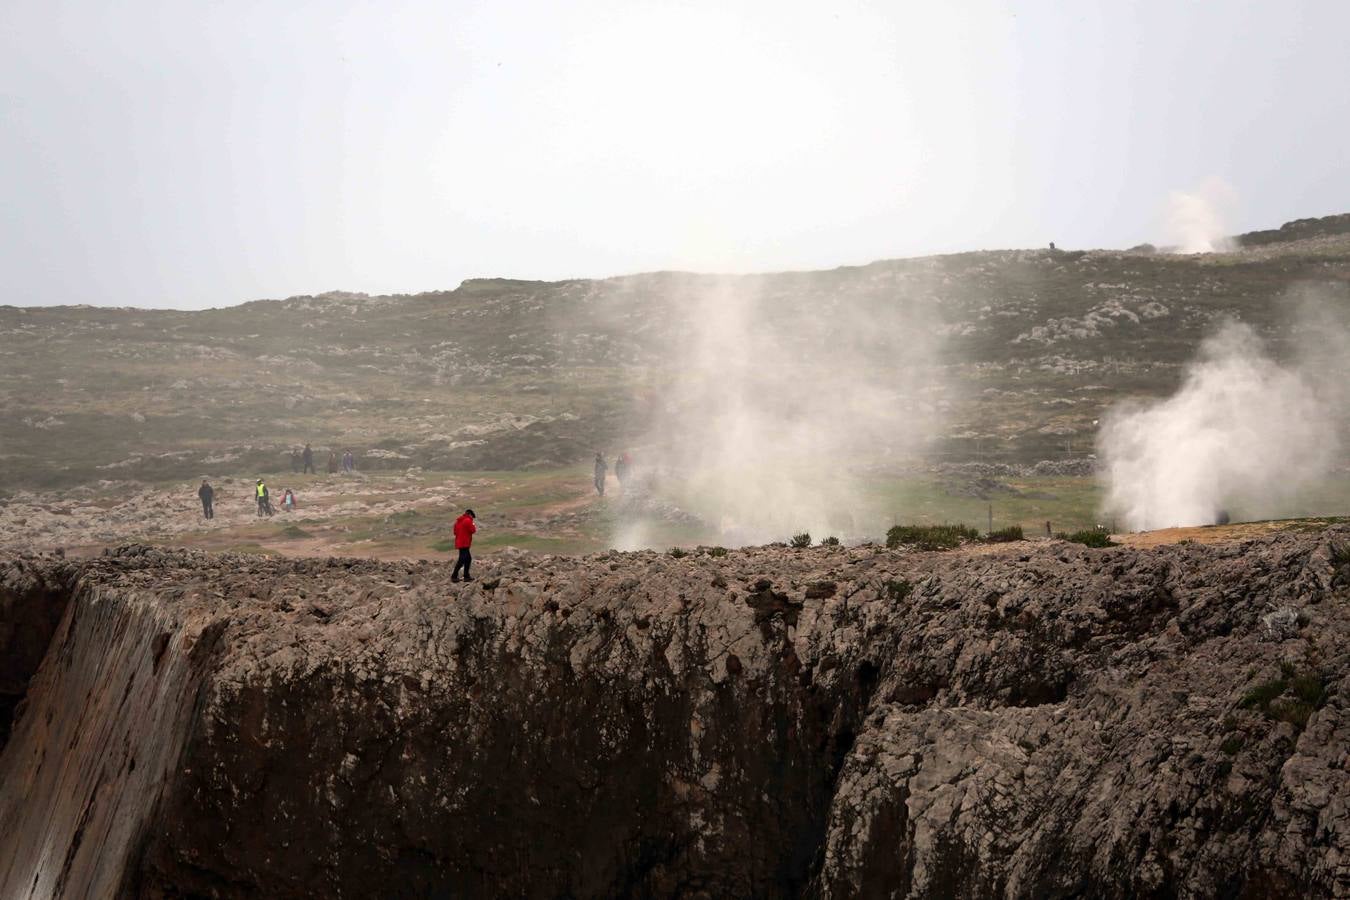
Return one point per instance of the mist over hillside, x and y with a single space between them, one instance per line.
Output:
1022 352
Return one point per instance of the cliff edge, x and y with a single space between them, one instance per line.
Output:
1040 721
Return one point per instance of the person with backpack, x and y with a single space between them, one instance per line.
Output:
264 501
207 495
464 532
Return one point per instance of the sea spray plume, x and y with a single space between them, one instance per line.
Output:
1241 426
1197 221
782 389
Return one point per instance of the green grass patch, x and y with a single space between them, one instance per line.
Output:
1092 537
1005 535
294 532
930 537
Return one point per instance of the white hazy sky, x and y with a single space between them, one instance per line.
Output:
194 154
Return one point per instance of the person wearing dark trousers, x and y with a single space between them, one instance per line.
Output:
208 496
464 532
307 461
601 467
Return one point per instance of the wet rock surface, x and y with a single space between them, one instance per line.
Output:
1039 721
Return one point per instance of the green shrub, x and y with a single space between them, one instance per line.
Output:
1092 537
294 532
830 541
897 589
1271 698
1232 744
1310 689
930 537
716 552
677 552
800 541
1295 712
1005 535
1259 697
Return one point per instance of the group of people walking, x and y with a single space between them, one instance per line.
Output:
623 467
302 461
207 495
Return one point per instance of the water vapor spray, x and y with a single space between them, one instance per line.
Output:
784 393
1198 221
1242 430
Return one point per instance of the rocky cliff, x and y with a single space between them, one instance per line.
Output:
1040 721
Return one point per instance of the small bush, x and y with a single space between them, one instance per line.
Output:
1295 712
1005 535
1092 537
1310 689
678 553
1272 698
930 537
801 541
716 552
897 589
1232 744
1340 565
830 541
294 532
1259 697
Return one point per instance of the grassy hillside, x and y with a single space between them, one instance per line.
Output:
502 374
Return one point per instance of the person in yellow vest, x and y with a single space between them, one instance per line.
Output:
264 502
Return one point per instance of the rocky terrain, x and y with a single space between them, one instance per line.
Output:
1035 720
502 374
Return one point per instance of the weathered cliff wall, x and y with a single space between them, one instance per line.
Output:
1040 721
33 597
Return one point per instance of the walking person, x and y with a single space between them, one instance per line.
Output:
621 470
332 462
348 462
307 459
464 532
207 495
601 467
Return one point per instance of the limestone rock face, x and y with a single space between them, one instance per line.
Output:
1043 720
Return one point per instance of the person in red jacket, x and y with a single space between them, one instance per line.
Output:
464 531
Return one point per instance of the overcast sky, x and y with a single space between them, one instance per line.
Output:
196 154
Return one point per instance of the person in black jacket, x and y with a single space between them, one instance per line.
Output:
601 467
307 460
208 497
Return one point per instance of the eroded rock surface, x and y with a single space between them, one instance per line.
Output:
1040 721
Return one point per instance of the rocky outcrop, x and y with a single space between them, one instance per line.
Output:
1039 721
